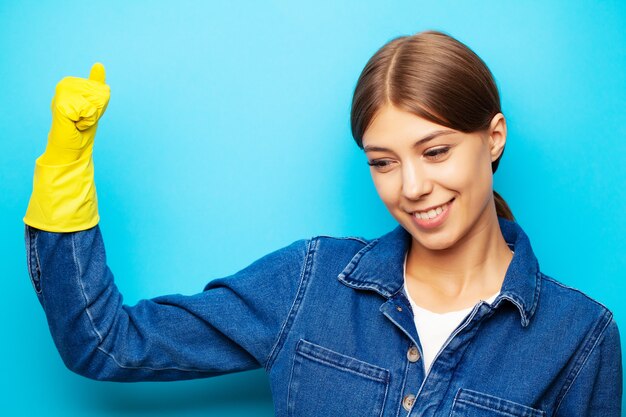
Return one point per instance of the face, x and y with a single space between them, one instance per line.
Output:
435 181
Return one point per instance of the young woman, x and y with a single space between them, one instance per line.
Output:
446 315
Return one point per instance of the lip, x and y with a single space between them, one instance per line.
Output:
437 221
433 207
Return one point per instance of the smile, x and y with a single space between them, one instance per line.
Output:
432 213
432 218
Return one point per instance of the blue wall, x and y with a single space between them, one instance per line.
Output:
227 136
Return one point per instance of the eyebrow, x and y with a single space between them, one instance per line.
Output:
427 138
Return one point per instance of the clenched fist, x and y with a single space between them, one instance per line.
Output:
64 193
77 106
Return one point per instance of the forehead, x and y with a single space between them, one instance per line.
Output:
393 124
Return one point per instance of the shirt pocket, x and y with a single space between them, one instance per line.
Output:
327 383
468 403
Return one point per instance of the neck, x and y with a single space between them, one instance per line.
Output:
458 276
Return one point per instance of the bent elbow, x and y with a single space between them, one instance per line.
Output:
91 364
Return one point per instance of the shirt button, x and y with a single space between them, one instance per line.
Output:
413 354
408 401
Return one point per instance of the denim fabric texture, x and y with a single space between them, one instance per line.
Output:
329 321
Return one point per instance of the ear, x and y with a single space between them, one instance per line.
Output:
497 136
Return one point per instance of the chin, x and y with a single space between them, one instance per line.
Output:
435 241
435 244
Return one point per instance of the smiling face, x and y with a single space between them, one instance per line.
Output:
435 181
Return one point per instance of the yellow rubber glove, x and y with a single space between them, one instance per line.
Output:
64 193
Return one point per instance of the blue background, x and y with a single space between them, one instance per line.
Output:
227 136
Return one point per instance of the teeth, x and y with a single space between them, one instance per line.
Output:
431 214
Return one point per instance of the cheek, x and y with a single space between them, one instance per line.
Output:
476 178
453 175
386 187
470 175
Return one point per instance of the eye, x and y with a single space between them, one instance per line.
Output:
380 164
436 153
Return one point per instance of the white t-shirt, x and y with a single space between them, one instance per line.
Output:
435 328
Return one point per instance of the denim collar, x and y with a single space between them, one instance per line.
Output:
379 266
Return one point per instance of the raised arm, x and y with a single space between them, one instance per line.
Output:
235 324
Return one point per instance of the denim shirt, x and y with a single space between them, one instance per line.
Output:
329 321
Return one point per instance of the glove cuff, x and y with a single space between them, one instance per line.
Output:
64 197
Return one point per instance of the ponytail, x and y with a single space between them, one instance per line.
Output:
502 208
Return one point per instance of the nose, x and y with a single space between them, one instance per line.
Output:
415 182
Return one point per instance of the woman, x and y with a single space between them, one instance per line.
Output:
446 315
